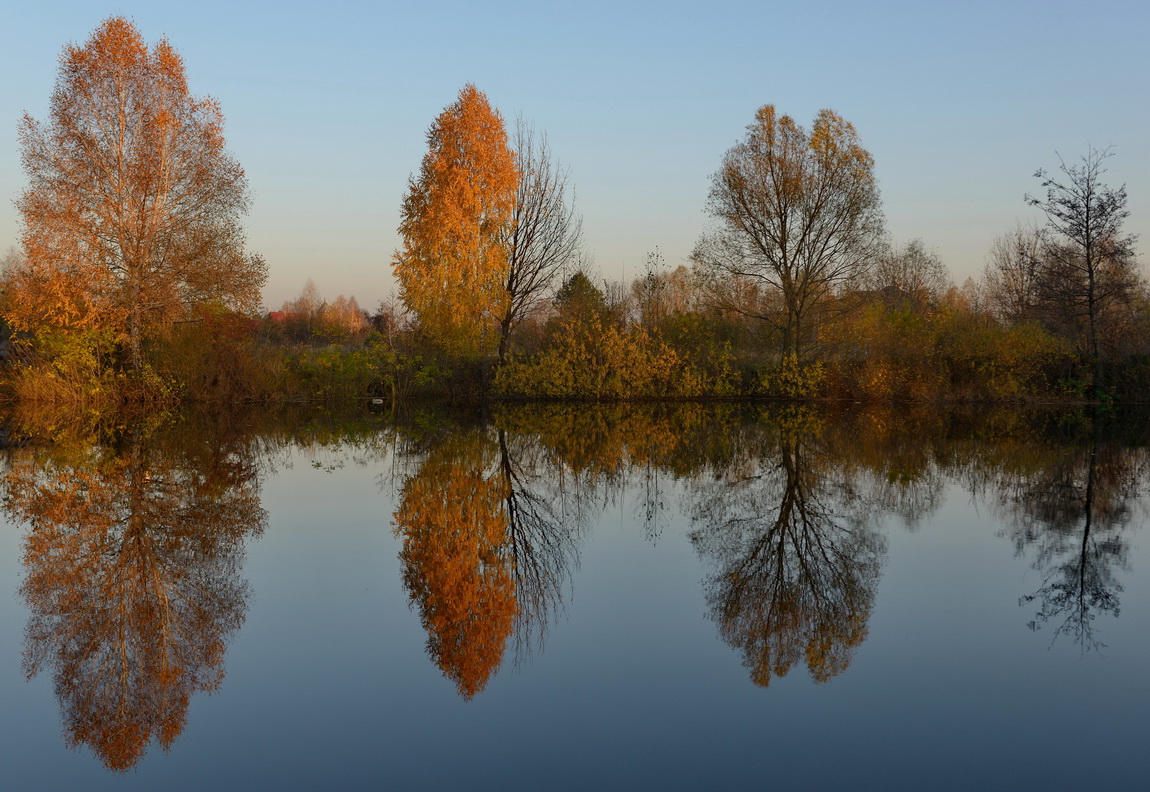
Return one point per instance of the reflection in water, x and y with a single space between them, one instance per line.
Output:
132 575
484 555
1073 514
797 563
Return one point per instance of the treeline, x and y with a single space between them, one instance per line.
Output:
133 283
906 334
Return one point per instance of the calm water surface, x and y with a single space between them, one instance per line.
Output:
594 598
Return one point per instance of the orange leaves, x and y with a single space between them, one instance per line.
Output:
131 213
457 567
132 579
452 268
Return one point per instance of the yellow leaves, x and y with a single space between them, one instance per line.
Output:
592 360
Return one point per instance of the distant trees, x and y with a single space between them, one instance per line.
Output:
914 274
1011 277
310 316
798 214
132 209
452 269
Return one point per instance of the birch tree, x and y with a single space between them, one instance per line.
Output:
131 216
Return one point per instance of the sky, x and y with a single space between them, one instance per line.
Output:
328 105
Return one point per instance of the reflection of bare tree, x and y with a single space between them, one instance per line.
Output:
797 564
133 580
484 553
541 539
1073 515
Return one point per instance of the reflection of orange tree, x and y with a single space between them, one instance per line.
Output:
455 558
132 577
798 565
484 553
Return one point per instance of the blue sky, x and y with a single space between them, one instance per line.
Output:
327 108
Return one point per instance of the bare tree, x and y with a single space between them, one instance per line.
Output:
1087 259
545 234
798 213
915 274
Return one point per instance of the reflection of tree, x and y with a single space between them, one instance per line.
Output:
1073 514
484 555
797 570
132 577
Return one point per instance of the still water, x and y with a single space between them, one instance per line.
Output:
638 597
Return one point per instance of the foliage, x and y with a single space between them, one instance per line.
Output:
132 581
588 360
793 380
452 269
457 568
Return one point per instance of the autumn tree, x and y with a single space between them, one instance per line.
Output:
131 215
453 267
1010 280
544 235
1088 261
797 215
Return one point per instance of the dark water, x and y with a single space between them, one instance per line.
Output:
595 598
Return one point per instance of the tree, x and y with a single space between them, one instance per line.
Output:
798 213
545 233
456 559
580 300
452 270
1087 260
798 564
131 214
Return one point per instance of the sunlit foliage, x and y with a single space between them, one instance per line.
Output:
452 268
132 209
796 213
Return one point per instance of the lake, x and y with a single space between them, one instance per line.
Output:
576 598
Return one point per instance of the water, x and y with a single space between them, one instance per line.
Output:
663 597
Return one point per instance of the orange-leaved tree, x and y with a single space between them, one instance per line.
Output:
132 208
453 265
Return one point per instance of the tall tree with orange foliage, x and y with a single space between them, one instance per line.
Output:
452 269
131 213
